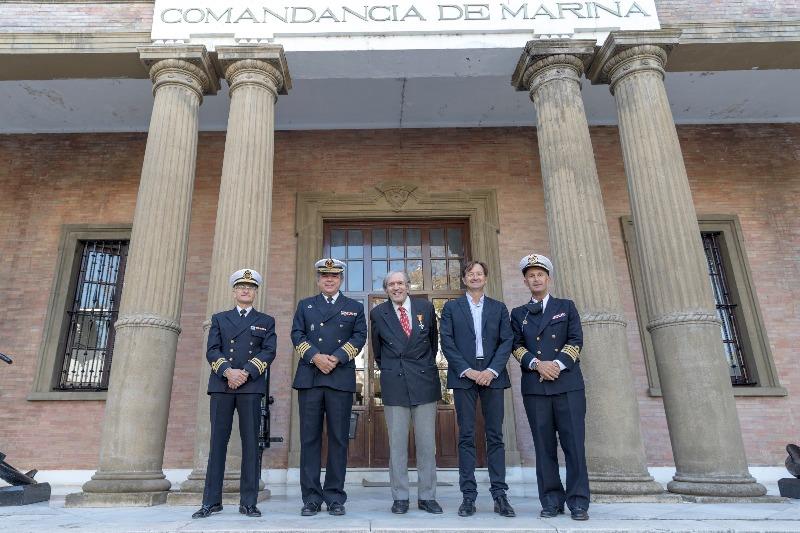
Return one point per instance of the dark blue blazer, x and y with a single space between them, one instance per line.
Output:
553 334
409 375
241 343
458 341
339 329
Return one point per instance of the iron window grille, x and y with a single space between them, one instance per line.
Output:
726 309
89 340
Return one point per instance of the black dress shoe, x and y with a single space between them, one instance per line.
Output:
310 509
467 507
400 507
551 512
206 510
249 510
431 506
502 507
579 514
336 509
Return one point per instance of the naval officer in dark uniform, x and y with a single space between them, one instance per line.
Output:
476 340
404 345
547 343
241 345
328 332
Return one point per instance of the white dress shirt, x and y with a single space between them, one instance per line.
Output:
544 306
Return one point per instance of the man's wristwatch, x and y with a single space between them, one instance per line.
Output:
535 364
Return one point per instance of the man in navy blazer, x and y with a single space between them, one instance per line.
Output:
404 345
547 343
328 332
241 345
476 339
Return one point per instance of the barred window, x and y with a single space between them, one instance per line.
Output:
86 352
742 332
726 308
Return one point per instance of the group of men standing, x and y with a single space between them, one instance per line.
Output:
477 336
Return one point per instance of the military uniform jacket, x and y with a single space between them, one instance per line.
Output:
338 329
554 334
242 343
458 342
409 375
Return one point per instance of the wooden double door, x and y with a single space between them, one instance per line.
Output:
432 253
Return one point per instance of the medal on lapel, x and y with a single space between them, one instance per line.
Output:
421 325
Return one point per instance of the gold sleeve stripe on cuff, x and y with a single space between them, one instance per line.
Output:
259 364
573 351
519 353
350 350
302 348
216 364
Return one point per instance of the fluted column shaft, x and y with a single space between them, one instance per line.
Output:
698 399
581 246
256 75
137 408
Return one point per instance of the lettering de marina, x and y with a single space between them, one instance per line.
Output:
260 13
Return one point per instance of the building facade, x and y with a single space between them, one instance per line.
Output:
120 197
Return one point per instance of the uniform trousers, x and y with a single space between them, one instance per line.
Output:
335 406
564 414
492 408
398 423
249 408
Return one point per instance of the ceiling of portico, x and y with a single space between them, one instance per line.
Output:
484 99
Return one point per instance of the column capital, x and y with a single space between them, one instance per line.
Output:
260 64
627 52
187 65
544 61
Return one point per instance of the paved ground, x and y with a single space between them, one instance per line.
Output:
368 511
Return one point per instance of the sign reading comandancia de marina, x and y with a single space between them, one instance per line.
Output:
212 21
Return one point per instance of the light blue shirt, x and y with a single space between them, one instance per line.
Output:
477 317
477 314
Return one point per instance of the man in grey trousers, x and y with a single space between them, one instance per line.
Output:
404 344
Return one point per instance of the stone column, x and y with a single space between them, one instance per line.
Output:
256 75
698 398
578 233
135 425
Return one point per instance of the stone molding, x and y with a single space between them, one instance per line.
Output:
626 53
149 321
677 319
603 318
396 193
264 65
538 56
186 65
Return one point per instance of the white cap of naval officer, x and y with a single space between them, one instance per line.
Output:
246 275
536 260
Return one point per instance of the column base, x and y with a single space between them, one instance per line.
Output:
115 499
624 485
726 487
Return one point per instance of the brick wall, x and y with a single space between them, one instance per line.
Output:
50 180
138 16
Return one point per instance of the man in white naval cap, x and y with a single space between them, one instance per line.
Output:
328 332
547 343
241 345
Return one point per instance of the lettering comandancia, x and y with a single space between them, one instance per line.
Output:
402 13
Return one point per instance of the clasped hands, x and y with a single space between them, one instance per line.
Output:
482 378
236 378
548 370
325 362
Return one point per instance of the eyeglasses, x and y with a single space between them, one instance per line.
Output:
245 288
